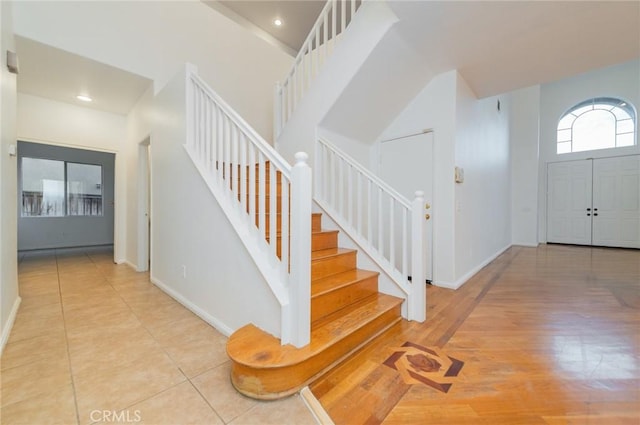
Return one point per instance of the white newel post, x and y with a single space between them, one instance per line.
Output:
277 112
417 298
300 277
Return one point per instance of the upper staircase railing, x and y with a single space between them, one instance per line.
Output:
386 225
334 18
266 200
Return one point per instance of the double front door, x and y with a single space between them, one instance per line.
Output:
594 202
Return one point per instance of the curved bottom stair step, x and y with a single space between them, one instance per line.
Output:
264 369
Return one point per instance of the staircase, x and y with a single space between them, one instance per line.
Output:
346 313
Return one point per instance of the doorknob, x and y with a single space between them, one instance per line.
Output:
427 206
588 209
427 216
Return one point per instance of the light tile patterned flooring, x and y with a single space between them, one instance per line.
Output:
95 342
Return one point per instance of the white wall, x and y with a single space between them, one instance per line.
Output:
9 299
154 39
434 107
483 201
620 81
369 26
524 119
189 229
471 221
57 123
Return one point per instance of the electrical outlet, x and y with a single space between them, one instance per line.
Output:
184 271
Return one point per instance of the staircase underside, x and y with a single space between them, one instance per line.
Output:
347 312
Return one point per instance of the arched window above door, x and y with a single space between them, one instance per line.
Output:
599 123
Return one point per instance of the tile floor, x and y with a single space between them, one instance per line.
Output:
95 342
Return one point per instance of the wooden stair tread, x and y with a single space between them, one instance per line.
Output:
330 252
339 280
255 348
320 232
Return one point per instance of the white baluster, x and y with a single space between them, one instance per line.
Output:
316 62
277 111
334 7
227 152
284 226
214 139
244 183
189 110
341 194
325 36
392 228
380 238
252 185
369 207
350 195
273 210
220 144
262 197
404 247
207 134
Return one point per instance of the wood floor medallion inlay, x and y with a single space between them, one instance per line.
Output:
421 365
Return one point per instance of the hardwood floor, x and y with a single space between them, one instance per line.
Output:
547 335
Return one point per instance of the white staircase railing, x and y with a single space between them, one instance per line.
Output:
334 18
266 200
387 226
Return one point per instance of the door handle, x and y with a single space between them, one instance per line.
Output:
595 214
588 215
588 209
427 216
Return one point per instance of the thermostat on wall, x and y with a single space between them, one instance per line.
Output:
459 175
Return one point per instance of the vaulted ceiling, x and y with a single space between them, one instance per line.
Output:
497 46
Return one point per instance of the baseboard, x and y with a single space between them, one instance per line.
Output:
126 262
525 244
459 282
6 331
444 284
315 407
216 323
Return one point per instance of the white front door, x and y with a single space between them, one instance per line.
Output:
616 202
406 164
594 202
569 202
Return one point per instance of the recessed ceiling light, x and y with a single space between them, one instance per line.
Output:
277 22
84 98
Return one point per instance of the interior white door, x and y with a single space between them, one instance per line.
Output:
406 164
616 201
569 196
